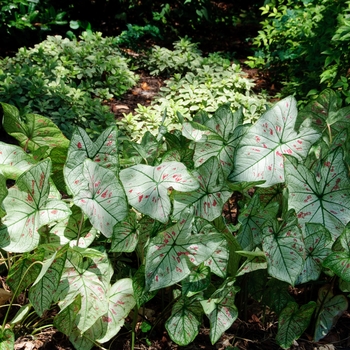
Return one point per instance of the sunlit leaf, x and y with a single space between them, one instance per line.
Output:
183 324
211 196
147 187
101 197
322 197
284 249
293 322
259 155
29 207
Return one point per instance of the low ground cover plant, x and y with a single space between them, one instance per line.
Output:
67 80
74 212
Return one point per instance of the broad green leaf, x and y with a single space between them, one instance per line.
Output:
259 155
339 261
101 197
64 321
322 198
81 341
252 219
147 187
211 196
25 270
329 308
276 295
293 322
34 131
7 339
42 292
185 320
125 234
172 254
76 230
29 207
197 281
284 249
87 273
58 157
221 310
104 152
120 302
318 244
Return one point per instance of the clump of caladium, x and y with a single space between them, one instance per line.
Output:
77 209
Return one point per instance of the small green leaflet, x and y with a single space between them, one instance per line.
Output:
284 249
29 207
104 152
323 199
197 281
172 254
329 308
185 320
3 194
259 155
221 309
293 322
318 244
101 197
339 261
147 187
7 339
211 196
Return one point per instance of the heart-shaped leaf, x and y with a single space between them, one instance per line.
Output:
318 244
259 155
88 273
322 198
293 322
339 262
125 234
101 197
34 131
329 308
29 207
284 249
104 152
172 254
183 324
211 196
221 309
147 187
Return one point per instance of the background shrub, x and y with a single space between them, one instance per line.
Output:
66 80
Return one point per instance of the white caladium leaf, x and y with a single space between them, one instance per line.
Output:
221 309
172 253
29 207
259 155
318 245
284 249
322 197
125 234
293 322
147 187
185 320
76 230
101 197
88 273
211 196
104 152
329 308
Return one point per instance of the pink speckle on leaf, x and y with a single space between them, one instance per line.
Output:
79 145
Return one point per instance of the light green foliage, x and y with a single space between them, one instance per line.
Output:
160 202
198 84
66 80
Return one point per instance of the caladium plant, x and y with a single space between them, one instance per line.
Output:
97 228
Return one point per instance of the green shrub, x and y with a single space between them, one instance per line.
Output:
66 80
304 44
